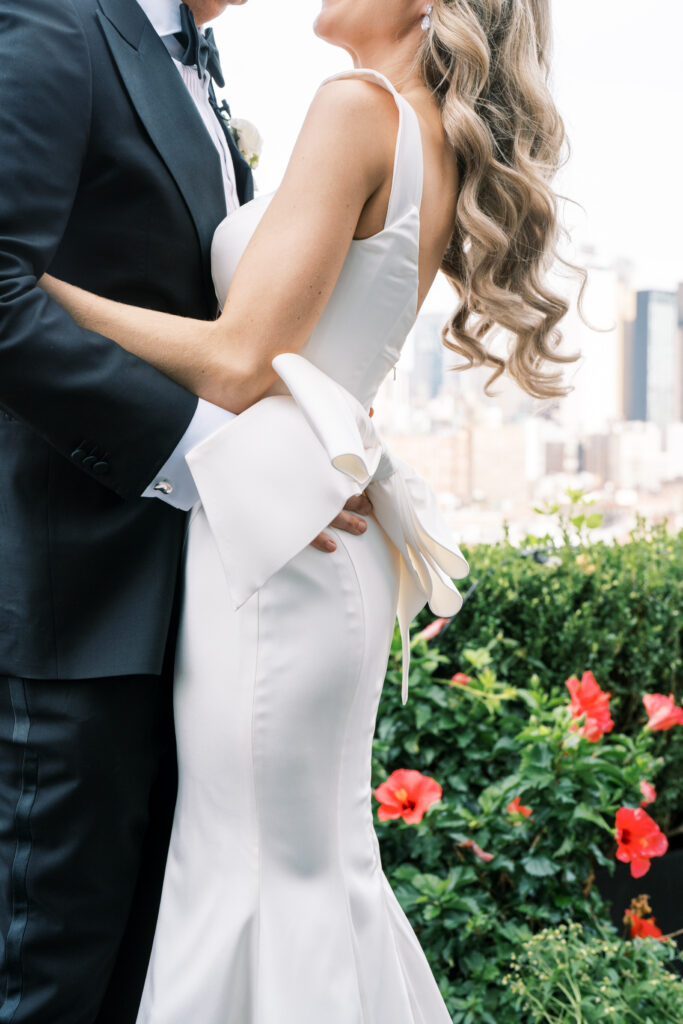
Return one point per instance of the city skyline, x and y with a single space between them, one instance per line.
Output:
617 81
618 435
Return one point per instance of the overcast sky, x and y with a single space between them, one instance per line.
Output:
617 79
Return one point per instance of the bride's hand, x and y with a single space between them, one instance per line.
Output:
361 505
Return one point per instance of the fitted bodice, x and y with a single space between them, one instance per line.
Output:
315 445
360 334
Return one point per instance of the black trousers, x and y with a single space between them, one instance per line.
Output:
87 788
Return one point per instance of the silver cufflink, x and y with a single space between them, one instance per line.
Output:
165 486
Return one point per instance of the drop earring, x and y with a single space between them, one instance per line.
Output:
426 22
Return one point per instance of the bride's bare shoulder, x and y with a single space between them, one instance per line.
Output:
361 112
361 95
342 156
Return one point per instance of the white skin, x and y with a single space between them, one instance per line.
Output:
333 191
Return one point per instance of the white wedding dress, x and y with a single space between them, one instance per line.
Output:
275 908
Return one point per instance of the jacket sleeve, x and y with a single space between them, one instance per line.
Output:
111 413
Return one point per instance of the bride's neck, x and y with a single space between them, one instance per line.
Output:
398 64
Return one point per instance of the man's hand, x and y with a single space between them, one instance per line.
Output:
347 521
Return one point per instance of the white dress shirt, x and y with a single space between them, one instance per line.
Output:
173 483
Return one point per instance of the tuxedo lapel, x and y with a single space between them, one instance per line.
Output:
244 178
169 115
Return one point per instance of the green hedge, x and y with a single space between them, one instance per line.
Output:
526 628
485 743
616 610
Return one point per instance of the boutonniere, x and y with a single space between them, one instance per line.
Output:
246 135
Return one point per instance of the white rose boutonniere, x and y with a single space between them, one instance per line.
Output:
246 135
248 139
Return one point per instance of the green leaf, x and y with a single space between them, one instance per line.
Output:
582 812
422 716
540 867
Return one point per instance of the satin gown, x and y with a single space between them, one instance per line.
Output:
275 908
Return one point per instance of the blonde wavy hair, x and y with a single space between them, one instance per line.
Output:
487 62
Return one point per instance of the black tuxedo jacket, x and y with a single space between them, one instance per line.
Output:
108 180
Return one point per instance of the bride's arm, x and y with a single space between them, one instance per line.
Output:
343 155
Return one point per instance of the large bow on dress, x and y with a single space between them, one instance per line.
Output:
274 477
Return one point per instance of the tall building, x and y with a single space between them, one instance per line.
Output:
656 368
599 376
635 456
499 462
680 353
428 361
443 459
594 456
674 451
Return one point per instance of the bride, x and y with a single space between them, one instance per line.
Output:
436 151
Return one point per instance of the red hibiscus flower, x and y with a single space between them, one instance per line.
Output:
649 793
460 677
515 807
433 629
662 712
406 794
642 927
638 839
589 700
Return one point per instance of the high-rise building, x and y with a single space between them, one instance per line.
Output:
594 456
674 451
554 457
680 353
636 459
443 459
426 378
599 377
498 462
656 366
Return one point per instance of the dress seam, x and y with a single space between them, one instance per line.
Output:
342 751
385 909
257 822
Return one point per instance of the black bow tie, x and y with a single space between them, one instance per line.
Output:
199 49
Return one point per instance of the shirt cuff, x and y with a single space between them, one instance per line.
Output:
174 483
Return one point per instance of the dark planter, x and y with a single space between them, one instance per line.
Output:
663 884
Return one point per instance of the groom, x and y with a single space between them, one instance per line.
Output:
115 169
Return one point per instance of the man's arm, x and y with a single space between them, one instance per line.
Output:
306 241
298 249
111 413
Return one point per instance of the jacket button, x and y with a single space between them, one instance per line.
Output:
89 459
100 468
77 455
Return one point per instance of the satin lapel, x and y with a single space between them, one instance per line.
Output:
169 115
244 178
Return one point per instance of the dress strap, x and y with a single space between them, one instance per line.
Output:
407 184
